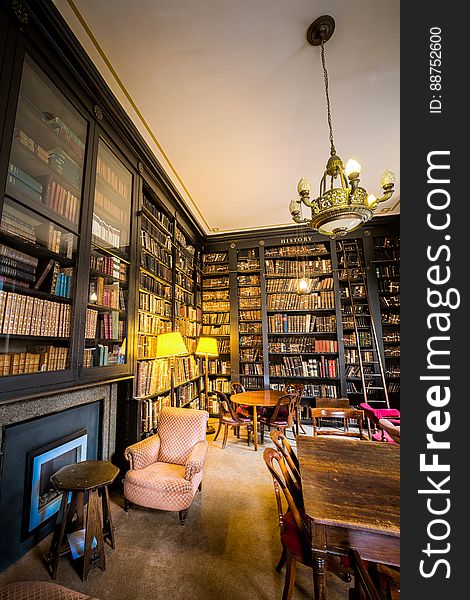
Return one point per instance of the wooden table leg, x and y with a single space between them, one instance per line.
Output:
93 555
255 426
108 529
319 578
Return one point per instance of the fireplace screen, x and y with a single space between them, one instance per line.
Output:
44 462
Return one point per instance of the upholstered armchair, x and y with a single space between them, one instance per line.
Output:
166 469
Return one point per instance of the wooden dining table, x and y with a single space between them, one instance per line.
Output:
351 491
267 398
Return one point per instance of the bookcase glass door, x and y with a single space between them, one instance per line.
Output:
106 316
39 228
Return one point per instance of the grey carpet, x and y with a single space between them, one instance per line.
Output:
226 551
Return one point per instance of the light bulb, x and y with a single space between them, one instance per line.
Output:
352 169
388 178
294 207
372 201
303 186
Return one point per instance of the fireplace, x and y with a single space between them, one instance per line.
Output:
43 463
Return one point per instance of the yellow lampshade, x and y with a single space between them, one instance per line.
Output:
207 346
170 344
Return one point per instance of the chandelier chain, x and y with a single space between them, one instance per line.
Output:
325 77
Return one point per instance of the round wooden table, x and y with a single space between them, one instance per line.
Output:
257 398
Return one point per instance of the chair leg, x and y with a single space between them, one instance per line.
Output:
199 487
224 442
183 514
127 505
218 431
282 560
261 431
290 578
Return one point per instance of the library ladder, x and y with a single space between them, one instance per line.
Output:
371 366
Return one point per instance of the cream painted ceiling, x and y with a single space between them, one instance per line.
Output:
229 95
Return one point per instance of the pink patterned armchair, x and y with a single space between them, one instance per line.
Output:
166 469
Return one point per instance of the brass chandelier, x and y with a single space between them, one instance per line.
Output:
342 205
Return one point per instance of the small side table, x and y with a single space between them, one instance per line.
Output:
90 477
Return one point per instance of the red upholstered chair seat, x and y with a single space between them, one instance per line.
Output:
375 414
292 540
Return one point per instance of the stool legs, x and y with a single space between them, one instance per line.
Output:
93 555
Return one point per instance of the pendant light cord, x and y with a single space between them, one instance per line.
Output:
325 77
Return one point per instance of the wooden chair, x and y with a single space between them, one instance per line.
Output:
283 416
384 584
298 390
283 446
228 417
242 410
294 528
343 414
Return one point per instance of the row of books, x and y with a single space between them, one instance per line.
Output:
250 315
219 384
153 304
215 296
188 392
251 354
392 352
249 303
215 282
110 327
351 355
109 207
224 346
150 284
310 267
213 257
216 366
105 170
183 261
150 263
215 269
26 315
33 360
156 235
389 301
361 321
391 337
298 366
389 287
384 271
249 341
105 232
188 328
248 265
316 249
90 323
60 199
211 330
101 356
312 390
151 408
154 324
152 377
393 370
30 144
292 285
180 237
393 387
109 265
252 369
299 345
108 295
284 323
387 242
316 301
355 370
183 296
251 382
65 133
248 280
24 182
184 281
189 312
158 214
249 254
13 224
151 245
363 338
249 292
215 306
250 327
387 254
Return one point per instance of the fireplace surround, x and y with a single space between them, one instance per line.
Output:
79 424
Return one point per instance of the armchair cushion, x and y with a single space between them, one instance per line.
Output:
143 453
161 477
196 460
179 433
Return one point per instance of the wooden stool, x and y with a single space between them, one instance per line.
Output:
89 477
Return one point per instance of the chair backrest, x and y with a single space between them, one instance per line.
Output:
322 402
364 588
283 446
277 467
344 414
237 387
289 401
179 430
226 407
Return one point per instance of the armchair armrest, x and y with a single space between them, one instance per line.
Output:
196 459
143 453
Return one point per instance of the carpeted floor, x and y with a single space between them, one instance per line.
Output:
226 551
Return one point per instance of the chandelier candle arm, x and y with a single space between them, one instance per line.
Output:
342 205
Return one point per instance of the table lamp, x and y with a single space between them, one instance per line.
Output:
207 347
170 345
